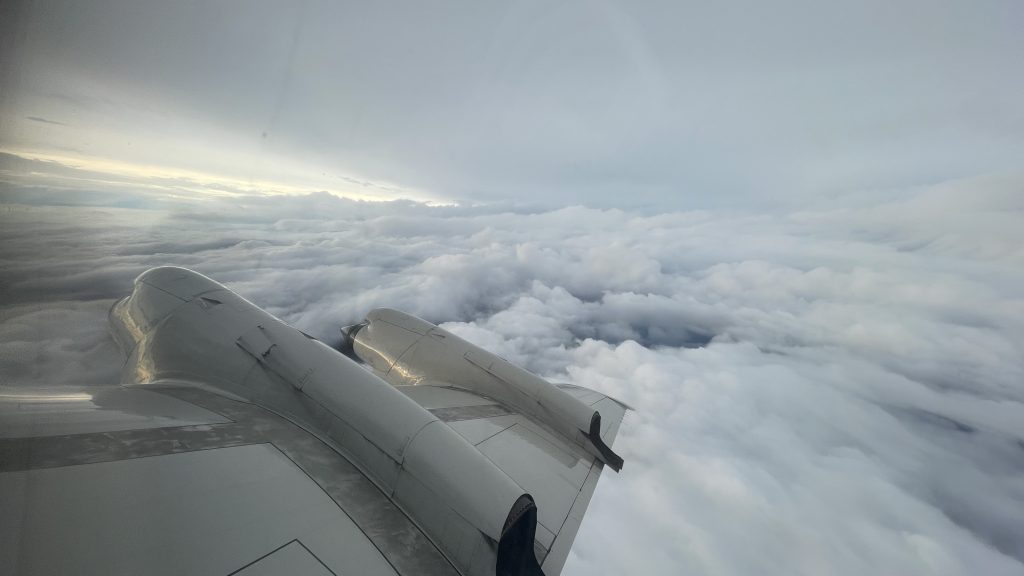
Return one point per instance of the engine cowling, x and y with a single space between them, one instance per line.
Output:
406 350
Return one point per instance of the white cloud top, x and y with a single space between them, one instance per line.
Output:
834 390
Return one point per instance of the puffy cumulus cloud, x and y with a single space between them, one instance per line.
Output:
746 461
52 343
836 390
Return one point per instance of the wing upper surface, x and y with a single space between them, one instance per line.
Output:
175 479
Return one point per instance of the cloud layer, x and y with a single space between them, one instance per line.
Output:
834 390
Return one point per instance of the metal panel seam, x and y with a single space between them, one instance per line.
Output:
343 511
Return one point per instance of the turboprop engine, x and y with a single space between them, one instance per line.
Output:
406 350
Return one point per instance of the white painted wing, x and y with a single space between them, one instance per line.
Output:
238 444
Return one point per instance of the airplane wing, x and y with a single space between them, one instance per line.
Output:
236 444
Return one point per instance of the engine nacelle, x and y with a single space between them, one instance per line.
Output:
183 329
406 350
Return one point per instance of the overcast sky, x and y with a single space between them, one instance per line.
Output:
682 104
788 233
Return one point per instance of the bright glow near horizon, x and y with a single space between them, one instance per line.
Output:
174 181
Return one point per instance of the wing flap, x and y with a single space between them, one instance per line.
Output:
201 512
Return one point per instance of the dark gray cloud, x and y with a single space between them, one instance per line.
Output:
833 390
609 104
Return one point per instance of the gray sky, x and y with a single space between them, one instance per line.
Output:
677 104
